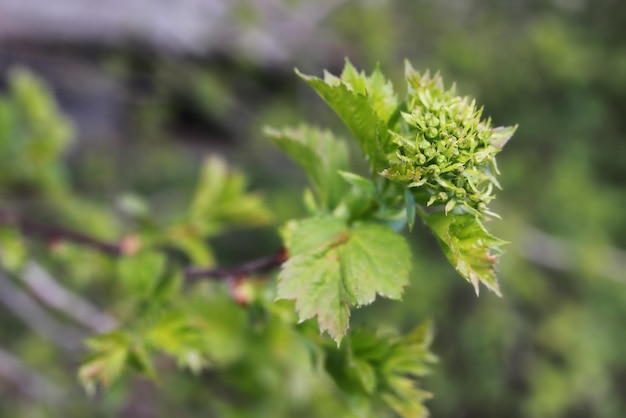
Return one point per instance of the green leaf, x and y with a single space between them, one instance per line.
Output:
333 267
221 200
353 374
192 242
320 155
406 399
202 329
174 334
34 134
360 200
384 368
110 353
411 354
501 135
468 246
364 105
13 251
141 272
359 182
365 373
379 90
407 359
169 282
140 360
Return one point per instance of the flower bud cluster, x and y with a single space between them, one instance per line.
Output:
444 147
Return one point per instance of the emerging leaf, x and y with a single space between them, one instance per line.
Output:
364 104
333 267
198 340
468 246
34 135
378 89
13 250
111 353
140 273
320 155
221 199
384 368
360 200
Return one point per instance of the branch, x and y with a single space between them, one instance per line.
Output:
128 246
53 234
259 265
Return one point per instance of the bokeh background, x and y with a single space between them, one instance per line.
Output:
151 88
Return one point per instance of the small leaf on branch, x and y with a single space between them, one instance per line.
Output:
110 354
364 104
221 199
371 368
139 273
320 155
501 135
469 247
333 267
376 87
360 200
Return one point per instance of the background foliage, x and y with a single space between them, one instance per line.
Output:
551 347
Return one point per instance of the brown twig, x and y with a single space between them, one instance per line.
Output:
128 246
53 234
259 265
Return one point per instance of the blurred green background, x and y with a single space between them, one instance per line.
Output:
146 112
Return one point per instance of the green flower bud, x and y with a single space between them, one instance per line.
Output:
443 138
